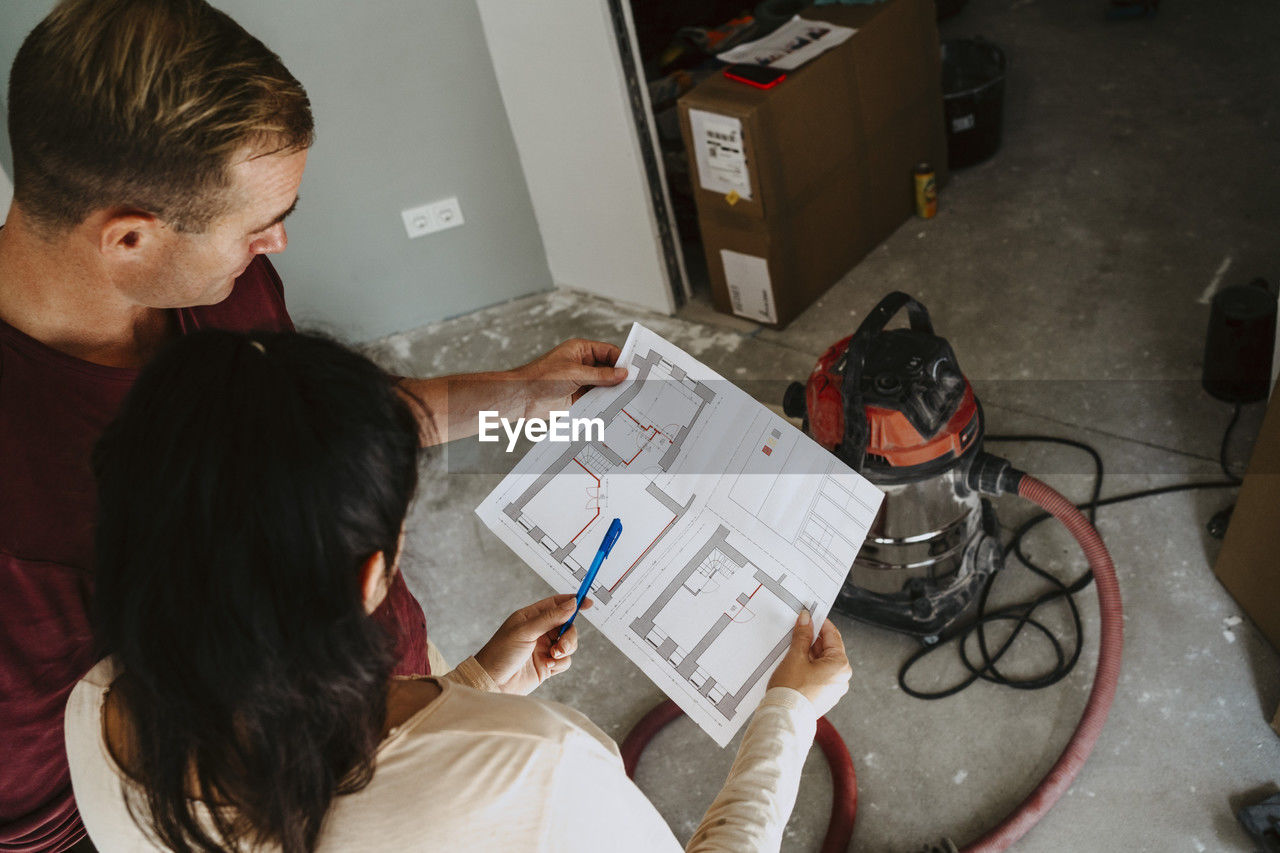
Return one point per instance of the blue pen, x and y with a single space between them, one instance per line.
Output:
605 547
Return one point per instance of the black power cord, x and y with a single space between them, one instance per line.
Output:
1226 436
985 666
1217 525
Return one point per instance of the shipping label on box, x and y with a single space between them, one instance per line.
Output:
750 291
720 153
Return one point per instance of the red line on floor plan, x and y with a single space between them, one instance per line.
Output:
642 553
642 449
643 428
745 603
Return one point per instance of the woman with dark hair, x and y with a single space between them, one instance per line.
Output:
252 495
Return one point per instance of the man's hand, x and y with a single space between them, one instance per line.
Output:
552 381
524 652
447 407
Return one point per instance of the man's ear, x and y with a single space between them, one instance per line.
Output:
123 232
373 581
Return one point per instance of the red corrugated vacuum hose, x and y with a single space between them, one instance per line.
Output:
844 788
1111 639
844 784
1065 769
642 732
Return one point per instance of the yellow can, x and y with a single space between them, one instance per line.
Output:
926 191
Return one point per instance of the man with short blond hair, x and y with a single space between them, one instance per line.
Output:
146 104
157 150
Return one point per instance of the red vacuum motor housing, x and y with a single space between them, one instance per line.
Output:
902 401
921 413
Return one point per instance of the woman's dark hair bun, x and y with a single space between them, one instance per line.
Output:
245 481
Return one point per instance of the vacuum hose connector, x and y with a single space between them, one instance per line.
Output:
993 476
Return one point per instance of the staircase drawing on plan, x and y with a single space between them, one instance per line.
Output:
706 623
567 509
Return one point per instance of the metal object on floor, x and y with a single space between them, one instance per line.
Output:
926 180
1262 822
895 406
925 559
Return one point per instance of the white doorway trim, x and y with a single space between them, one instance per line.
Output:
565 87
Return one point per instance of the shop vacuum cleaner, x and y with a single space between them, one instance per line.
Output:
894 405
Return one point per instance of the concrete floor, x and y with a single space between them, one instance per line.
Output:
1069 272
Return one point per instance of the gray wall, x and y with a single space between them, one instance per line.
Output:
407 112
6 195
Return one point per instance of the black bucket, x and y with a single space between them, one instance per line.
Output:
1239 343
973 99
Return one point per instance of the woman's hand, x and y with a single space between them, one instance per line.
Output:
524 651
818 669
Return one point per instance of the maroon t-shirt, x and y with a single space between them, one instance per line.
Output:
53 407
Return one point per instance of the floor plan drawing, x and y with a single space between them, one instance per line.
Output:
733 521
731 646
567 509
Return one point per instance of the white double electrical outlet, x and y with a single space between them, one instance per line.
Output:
429 218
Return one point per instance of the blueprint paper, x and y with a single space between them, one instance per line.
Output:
732 522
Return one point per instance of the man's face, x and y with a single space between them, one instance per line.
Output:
201 268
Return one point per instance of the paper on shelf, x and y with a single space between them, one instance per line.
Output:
790 46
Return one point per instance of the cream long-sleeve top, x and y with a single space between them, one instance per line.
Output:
481 771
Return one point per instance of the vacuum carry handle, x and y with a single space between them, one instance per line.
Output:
853 448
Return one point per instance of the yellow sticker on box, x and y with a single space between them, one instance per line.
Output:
733 198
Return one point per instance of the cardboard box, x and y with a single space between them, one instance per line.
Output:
795 184
1249 563
1275 724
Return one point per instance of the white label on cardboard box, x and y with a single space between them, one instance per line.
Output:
719 153
750 292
